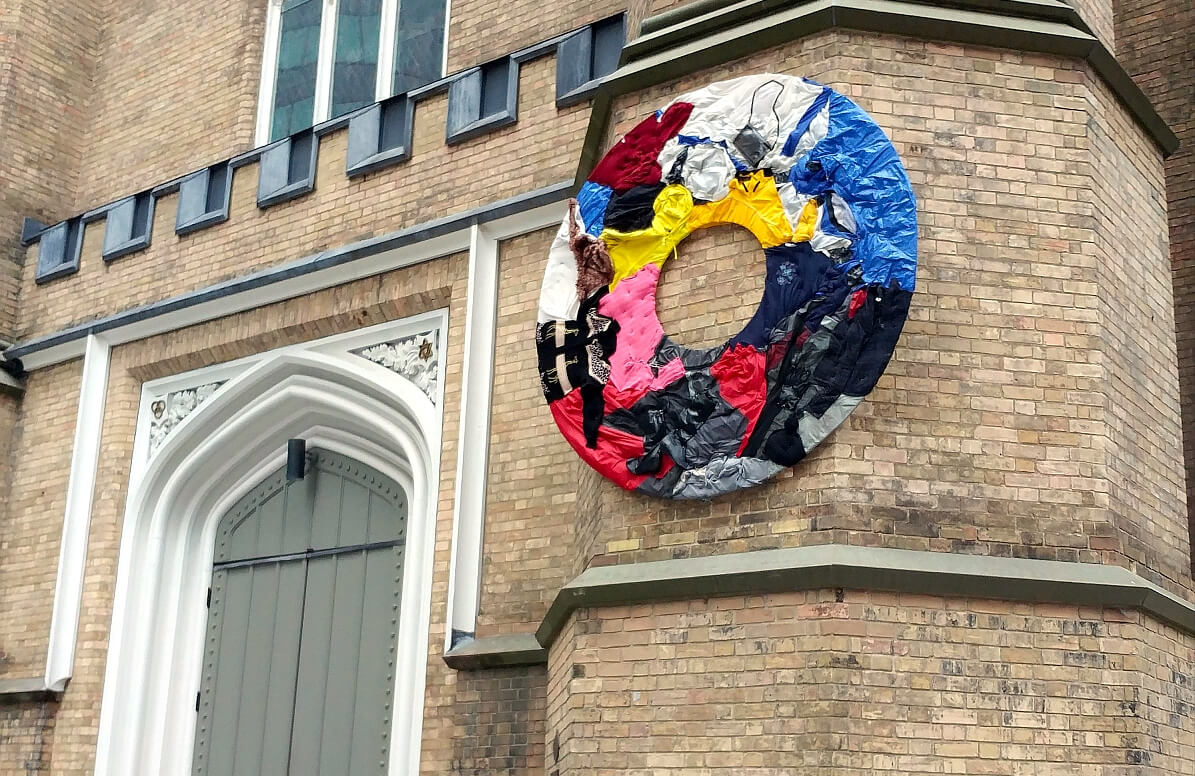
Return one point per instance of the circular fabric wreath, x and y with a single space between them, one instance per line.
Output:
823 190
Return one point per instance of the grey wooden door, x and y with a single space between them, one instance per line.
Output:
302 630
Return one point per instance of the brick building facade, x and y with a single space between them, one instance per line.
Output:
985 569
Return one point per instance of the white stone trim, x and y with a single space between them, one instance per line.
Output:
269 63
76 523
318 391
386 38
385 261
473 441
325 61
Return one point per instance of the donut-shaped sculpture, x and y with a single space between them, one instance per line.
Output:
823 190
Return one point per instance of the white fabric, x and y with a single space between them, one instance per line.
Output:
707 171
843 214
794 204
721 110
558 300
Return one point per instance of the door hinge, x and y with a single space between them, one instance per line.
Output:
197 702
209 598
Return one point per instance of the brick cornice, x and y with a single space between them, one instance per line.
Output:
834 566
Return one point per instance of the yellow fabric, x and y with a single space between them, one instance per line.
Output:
632 251
754 204
807 222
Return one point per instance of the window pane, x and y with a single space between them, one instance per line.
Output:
354 77
419 44
298 54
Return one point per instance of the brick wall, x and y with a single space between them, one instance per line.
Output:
482 30
31 515
531 487
175 89
855 682
988 433
500 729
1141 411
1157 47
47 59
26 737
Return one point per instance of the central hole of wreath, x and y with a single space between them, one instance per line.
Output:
712 286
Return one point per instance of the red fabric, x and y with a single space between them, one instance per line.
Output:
633 161
857 300
614 447
741 377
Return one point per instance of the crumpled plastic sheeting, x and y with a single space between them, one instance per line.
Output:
822 189
722 109
720 476
857 161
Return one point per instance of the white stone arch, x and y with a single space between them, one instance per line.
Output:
338 401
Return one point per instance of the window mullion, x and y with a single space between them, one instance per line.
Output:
444 53
327 57
269 72
389 31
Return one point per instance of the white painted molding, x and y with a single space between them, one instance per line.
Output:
385 261
472 459
325 61
76 523
384 82
269 62
473 441
318 391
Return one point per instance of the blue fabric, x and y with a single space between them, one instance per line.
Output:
857 161
794 137
795 273
592 200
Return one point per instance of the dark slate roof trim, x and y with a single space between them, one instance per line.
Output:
320 261
518 649
13 691
948 575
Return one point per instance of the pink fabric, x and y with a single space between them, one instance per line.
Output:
633 304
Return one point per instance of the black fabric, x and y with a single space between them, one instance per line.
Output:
795 273
588 342
689 421
632 210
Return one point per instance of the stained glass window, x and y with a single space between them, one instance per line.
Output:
418 44
298 57
355 71
308 89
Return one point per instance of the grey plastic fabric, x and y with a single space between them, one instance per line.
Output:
723 475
